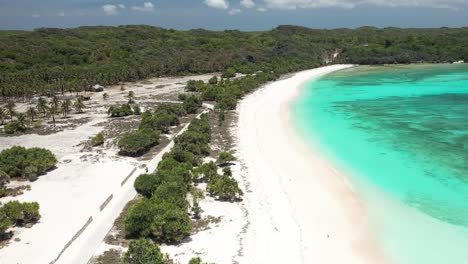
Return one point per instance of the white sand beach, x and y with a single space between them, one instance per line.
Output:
300 209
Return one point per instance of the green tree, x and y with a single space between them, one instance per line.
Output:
66 107
145 251
224 188
31 113
3 115
21 120
10 107
52 111
213 80
42 106
4 179
131 97
21 162
163 221
98 139
196 260
79 105
224 158
146 184
191 104
229 73
135 143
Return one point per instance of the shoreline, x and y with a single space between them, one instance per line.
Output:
301 210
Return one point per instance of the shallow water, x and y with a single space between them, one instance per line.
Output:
401 133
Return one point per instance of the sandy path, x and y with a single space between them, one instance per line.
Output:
300 209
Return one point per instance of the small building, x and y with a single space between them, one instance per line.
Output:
97 88
86 96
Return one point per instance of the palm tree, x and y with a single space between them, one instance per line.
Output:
55 102
52 112
3 115
131 97
79 105
21 119
65 107
10 106
31 113
42 106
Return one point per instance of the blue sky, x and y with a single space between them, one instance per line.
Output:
233 14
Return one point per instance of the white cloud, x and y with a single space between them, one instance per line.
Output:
36 16
295 4
235 11
147 7
61 14
220 4
247 3
122 6
110 10
261 9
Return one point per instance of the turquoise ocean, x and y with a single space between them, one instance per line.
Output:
400 135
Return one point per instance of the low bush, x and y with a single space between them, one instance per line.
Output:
196 260
135 143
13 127
224 158
145 251
164 222
120 111
229 73
98 139
145 184
161 120
191 104
19 214
224 188
21 162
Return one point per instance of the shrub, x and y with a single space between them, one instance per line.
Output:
13 127
4 179
136 110
161 120
145 184
191 104
21 162
224 188
205 172
229 73
145 251
163 221
97 140
21 213
213 80
196 260
173 193
224 158
140 218
173 223
120 111
135 143
194 86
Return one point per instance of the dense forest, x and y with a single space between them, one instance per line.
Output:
67 60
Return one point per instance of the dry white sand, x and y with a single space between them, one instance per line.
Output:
300 210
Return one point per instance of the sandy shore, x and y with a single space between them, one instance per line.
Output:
300 209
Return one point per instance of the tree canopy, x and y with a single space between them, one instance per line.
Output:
73 59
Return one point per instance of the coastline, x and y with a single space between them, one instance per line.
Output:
301 210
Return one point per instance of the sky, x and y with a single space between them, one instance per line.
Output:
247 15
